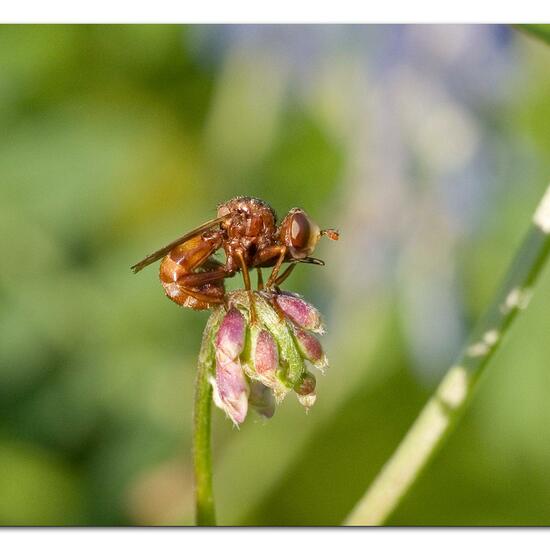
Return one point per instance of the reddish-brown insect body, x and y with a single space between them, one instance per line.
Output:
246 228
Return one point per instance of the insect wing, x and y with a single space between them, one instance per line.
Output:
158 254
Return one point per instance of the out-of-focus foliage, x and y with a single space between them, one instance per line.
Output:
426 145
540 31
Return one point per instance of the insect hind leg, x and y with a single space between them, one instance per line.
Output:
191 277
198 290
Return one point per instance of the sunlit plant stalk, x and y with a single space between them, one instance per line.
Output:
446 406
205 513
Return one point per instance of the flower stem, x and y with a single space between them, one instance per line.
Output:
440 415
202 452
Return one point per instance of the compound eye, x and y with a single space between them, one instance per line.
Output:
300 231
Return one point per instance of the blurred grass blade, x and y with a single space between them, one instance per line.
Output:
541 32
449 401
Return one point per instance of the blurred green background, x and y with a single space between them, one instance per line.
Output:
427 146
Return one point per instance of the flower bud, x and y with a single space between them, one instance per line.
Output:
300 312
266 356
261 399
305 390
231 334
306 385
230 388
310 348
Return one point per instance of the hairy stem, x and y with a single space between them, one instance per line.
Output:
202 453
451 398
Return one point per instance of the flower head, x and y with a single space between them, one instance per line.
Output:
260 357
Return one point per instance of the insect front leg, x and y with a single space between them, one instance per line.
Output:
280 251
268 256
284 275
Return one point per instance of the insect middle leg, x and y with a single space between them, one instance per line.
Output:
247 286
260 278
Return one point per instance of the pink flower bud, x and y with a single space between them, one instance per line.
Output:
261 399
300 312
310 348
266 356
231 391
231 334
231 387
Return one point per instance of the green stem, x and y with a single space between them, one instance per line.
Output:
446 406
202 451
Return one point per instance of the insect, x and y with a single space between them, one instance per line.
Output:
246 229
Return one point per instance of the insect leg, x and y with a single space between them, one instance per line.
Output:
190 276
202 286
260 278
205 287
201 297
284 275
277 266
203 277
247 286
